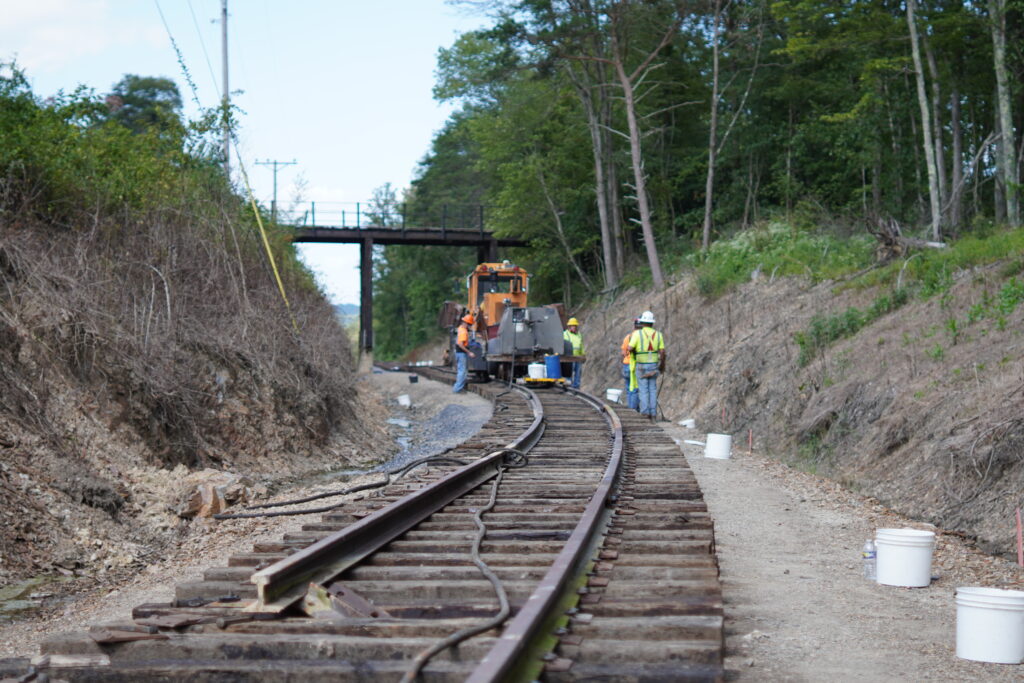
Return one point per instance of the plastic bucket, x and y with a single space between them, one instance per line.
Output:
718 446
535 370
554 368
904 557
613 395
990 625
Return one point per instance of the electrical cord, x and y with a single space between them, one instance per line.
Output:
518 459
390 476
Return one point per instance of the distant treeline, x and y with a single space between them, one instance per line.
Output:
619 136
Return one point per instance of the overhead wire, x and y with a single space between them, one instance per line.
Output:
202 44
241 166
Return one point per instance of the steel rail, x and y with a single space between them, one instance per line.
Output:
283 583
537 613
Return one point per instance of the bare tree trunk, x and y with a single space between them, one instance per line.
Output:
940 161
639 176
894 142
597 140
556 215
999 187
1007 147
956 192
614 206
876 181
926 128
789 165
627 82
709 185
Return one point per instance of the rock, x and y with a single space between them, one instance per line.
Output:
210 491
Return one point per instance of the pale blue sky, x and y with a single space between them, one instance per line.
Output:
343 87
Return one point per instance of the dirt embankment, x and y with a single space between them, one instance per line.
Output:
127 365
921 409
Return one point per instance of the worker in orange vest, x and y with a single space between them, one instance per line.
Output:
632 395
462 352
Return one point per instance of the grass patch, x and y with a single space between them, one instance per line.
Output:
776 249
825 329
931 270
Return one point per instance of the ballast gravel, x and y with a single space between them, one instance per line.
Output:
797 605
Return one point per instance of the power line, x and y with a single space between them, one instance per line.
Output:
275 163
202 44
181 57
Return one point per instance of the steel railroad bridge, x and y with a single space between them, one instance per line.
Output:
465 234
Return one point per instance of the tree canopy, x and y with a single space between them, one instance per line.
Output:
810 110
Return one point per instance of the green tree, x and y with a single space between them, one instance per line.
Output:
144 103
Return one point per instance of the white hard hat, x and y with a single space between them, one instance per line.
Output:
647 317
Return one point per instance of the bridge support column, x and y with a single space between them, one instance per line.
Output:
487 252
366 294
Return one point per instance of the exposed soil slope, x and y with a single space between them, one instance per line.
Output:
127 364
927 421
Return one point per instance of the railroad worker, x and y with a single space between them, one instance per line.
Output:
647 355
462 352
632 395
572 335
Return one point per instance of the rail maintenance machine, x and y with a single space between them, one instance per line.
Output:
509 334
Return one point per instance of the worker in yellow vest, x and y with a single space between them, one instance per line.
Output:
572 335
647 356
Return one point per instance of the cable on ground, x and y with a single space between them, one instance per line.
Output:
518 459
390 476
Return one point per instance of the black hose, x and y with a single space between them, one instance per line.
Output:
390 475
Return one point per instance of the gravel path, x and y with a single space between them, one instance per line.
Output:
797 605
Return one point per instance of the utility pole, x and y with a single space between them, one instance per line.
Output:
275 163
226 99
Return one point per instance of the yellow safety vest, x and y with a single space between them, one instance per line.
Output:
645 345
577 341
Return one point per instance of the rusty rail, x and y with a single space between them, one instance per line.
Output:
535 619
284 583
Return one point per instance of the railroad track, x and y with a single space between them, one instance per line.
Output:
586 519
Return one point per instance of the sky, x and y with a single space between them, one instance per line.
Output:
341 87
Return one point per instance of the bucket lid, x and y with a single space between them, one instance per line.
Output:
905 534
983 591
990 598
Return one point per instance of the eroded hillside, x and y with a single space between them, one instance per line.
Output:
921 408
152 326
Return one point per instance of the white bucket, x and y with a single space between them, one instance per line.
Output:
904 557
536 370
718 446
990 625
613 395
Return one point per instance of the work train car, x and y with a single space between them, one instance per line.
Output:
508 333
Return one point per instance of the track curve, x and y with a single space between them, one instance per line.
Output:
598 537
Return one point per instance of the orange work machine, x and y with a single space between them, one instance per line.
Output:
508 333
